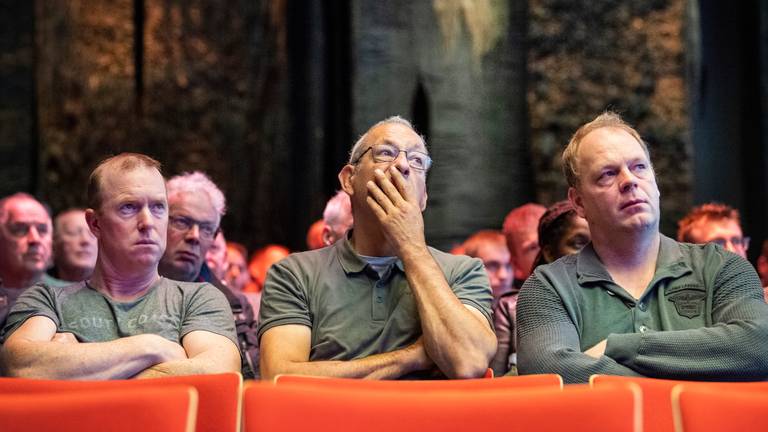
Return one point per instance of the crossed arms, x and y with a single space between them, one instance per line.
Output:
36 350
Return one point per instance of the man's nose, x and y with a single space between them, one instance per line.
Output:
193 234
33 235
145 219
401 163
627 180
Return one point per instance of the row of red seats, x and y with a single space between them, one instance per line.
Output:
537 402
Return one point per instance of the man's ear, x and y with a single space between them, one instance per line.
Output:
93 222
576 201
327 235
345 179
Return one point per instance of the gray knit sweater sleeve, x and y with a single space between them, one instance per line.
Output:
548 340
734 347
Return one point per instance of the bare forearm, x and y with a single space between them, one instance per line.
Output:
195 366
460 343
121 358
391 365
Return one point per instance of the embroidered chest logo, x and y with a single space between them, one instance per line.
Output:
688 302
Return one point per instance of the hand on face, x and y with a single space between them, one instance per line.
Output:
393 201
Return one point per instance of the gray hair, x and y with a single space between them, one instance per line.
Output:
338 209
195 182
359 146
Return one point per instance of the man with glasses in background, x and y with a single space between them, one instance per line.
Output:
714 223
379 303
195 208
25 248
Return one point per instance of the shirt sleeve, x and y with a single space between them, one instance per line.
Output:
208 310
38 300
735 347
548 340
471 286
283 300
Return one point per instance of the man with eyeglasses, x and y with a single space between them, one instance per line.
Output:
379 304
633 301
126 320
195 208
25 248
714 223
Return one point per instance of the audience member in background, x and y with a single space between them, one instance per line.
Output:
337 218
762 268
315 235
714 223
74 247
561 232
25 248
216 257
195 208
522 239
634 302
237 276
125 321
260 263
379 303
491 247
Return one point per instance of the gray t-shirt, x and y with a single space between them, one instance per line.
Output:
170 309
8 298
352 311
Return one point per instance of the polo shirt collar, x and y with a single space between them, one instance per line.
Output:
349 259
670 263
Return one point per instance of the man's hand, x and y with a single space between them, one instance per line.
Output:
393 201
598 350
165 349
420 357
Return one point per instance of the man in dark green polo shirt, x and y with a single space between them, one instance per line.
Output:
379 303
634 302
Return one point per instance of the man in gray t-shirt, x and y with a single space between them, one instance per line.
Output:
125 321
381 303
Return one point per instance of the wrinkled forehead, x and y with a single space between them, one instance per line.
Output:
136 180
609 143
26 210
396 134
197 205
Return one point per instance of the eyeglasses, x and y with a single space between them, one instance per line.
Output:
183 224
742 242
21 229
417 160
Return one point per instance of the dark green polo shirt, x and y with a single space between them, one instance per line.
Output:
352 312
702 317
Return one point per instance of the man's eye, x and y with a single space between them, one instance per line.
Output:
128 208
42 229
385 151
417 161
158 208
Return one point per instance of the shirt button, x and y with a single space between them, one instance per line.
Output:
379 300
642 306
643 329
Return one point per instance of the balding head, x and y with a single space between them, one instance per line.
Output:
25 240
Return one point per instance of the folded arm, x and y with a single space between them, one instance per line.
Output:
548 341
206 353
735 347
35 351
285 350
